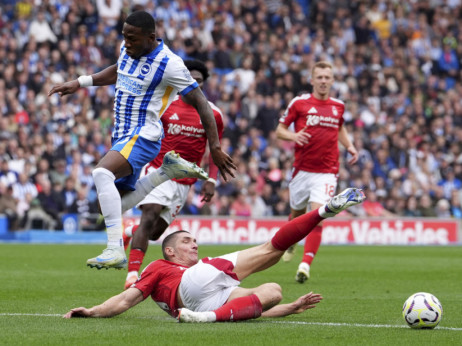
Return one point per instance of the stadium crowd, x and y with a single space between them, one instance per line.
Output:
396 65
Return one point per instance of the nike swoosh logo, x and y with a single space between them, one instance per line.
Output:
104 260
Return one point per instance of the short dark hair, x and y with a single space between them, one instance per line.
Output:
143 20
198 66
169 240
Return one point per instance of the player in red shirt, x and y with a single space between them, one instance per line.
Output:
185 135
318 123
208 290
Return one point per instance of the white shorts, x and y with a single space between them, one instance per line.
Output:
207 285
309 187
169 194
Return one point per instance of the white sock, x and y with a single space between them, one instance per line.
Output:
129 231
324 213
210 315
142 188
110 202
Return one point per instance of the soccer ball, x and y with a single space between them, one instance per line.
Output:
422 310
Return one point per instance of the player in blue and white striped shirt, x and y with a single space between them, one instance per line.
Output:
148 75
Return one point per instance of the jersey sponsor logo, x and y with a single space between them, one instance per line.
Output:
125 82
174 117
191 131
145 69
315 120
313 110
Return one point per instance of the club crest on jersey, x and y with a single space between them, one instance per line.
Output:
145 69
334 111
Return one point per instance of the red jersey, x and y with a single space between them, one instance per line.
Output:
323 119
160 280
185 134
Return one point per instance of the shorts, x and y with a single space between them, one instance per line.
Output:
308 187
207 285
171 195
138 151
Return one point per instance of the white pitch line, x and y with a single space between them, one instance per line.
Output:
38 315
353 325
329 324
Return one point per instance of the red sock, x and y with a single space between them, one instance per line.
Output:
312 243
239 309
295 230
135 260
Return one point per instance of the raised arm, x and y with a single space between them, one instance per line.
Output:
111 307
107 76
308 301
223 161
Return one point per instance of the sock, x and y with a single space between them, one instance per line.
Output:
239 309
295 230
312 243
135 260
130 230
142 188
110 203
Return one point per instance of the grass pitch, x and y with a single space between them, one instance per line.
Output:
364 289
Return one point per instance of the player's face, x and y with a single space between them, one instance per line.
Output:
186 250
198 77
322 81
137 42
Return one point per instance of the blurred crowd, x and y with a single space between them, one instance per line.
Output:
396 65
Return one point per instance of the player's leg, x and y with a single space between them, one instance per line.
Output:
151 226
290 252
123 162
263 256
173 167
111 167
242 304
299 193
322 190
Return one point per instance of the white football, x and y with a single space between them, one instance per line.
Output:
422 310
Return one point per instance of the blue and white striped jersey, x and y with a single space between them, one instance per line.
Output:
145 88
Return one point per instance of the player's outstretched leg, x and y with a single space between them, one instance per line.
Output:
177 168
298 228
112 257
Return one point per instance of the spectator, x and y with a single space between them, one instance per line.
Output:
8 206
240 206
40 30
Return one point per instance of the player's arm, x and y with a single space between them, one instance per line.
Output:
301 137
107 76
223 161
305 302
111 307
345 141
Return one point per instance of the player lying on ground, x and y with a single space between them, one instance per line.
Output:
208 290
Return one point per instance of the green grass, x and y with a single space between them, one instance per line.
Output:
362 286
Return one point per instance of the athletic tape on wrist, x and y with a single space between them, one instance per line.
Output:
85 81
212 181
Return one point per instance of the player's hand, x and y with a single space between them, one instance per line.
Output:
65 88
301 137
77 312
207 190
308 301
224 162
354 155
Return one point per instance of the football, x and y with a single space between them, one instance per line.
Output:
422 311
